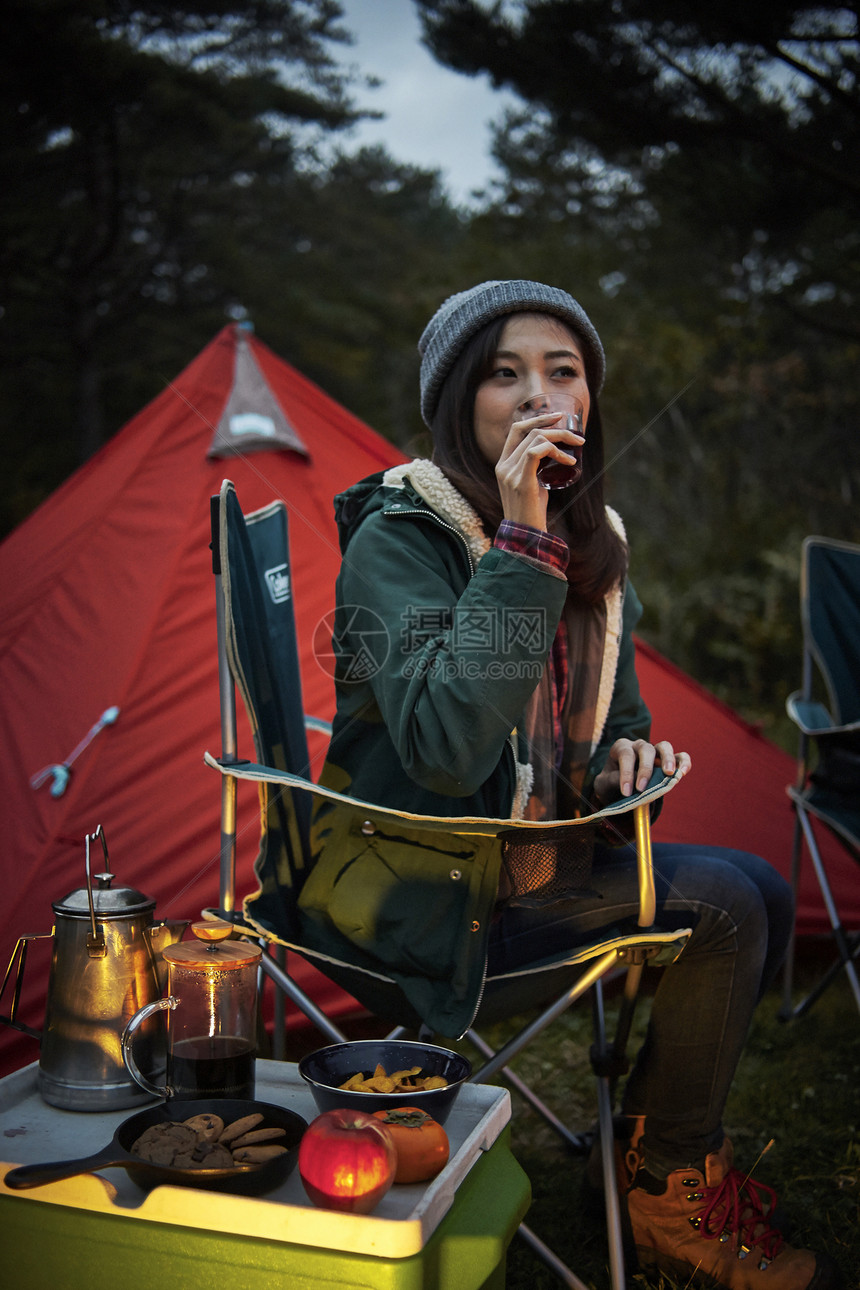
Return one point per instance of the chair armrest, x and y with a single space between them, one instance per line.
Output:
813 718
660 785
318 724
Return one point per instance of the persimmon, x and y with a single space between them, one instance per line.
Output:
421 1142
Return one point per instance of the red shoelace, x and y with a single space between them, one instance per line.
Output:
737 1205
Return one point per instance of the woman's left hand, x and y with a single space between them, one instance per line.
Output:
630 765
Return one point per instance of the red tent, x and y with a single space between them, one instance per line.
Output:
108 601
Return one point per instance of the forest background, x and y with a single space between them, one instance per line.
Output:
689 172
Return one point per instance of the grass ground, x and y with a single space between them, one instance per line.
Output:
797 1083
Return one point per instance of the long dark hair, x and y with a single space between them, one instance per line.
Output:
598 555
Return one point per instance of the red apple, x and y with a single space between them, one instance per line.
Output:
347 1161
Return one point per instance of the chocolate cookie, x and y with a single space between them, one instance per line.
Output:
207 1125
160 1144
257 1155
256 1135
240 1126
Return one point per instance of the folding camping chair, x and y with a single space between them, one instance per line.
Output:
827 790
258 654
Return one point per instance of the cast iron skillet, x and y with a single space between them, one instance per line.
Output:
247 1180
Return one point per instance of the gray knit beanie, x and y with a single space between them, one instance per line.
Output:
460 316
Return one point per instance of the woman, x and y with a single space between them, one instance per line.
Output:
486 668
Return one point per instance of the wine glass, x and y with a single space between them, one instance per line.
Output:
552 473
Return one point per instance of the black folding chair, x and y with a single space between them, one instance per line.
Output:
258 654
827 791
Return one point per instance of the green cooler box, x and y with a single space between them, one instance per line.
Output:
449 1234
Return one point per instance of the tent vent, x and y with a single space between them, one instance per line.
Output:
252 419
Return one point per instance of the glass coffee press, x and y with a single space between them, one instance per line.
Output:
211 1010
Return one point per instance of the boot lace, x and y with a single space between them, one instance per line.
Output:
736 1205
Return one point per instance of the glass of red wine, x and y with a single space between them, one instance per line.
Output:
552 473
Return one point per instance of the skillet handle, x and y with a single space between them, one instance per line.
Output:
24 1176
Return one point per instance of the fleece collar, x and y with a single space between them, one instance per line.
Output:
441 496
612 645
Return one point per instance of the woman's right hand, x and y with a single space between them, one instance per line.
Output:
630 765
524 499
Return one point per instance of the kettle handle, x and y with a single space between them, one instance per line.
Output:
160 1005
96 945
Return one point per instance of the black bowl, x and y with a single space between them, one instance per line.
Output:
327 1068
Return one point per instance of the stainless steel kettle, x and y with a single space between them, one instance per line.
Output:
106 965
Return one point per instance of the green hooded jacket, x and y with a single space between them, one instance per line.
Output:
439 641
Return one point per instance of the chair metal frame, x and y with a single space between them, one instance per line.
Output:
816 724
628 952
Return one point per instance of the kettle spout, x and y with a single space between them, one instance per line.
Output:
161 936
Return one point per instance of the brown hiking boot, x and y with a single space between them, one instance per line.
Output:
627 1133
712 1229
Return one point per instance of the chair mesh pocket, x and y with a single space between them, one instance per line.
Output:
542 868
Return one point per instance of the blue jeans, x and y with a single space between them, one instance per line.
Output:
740 910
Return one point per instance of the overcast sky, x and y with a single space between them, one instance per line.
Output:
435 118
